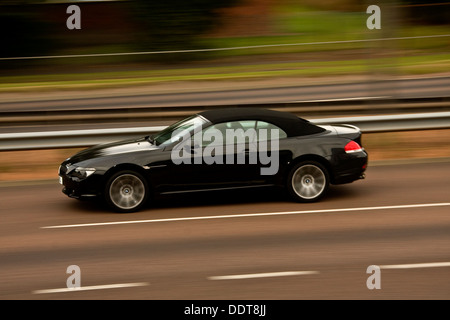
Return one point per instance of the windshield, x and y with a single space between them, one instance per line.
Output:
173 132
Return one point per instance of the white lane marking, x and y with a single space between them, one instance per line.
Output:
263 275
424 205
416 265
99 287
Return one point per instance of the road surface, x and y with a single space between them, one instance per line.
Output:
235 245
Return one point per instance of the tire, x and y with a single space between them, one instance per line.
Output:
308 181
126 191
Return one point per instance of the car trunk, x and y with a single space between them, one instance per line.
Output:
346 130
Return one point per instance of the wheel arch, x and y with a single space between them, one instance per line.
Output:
124 167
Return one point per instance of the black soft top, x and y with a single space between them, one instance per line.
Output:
290 123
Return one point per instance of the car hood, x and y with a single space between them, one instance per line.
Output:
120 147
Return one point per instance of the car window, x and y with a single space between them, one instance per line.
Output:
264 130
175 131
231 132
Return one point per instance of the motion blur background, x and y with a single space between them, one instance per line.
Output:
172 48
143 63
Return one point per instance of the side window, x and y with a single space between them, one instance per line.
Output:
226 133
264 130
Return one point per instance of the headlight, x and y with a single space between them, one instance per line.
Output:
82 173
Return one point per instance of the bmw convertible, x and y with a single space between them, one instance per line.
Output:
219 149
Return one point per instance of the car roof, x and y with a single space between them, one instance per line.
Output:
289 122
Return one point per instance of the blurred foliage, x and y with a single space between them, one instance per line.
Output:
19 2
30 29
23 31
174 24
434 12
331 5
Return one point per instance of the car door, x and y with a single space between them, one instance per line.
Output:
215 157
272 152
224 152
234 153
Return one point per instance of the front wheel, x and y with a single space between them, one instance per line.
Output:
308 181
126 191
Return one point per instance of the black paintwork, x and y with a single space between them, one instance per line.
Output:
304 141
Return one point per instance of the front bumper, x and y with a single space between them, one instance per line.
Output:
88 188
78 194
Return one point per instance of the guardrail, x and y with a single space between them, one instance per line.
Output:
86 138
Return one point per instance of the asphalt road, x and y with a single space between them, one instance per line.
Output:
235 245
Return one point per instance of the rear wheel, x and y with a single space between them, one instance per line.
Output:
126 191
308 181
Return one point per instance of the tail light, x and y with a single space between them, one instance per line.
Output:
352 146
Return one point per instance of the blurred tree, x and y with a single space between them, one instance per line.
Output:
175 24
22 31
427 12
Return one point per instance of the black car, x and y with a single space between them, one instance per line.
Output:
219 149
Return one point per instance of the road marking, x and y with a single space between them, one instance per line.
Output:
263 275
416 265
248 215
100 287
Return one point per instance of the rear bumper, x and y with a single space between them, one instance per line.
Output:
352 168
349 178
